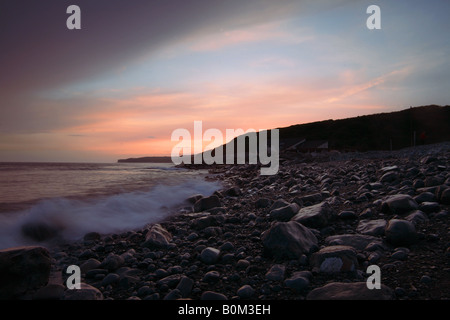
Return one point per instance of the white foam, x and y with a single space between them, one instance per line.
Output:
112 214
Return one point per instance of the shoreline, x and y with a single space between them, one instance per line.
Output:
222 247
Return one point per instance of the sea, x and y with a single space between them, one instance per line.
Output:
73 199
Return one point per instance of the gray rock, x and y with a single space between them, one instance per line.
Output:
89 265
357 241
23 269
210 255
417 217
284 213
86 292
211 295
174 294
112 262
110 279
211 277
185 286
309 199
157 237
288 240
371 227
207 203
400 232
389 177
297 282
334 259
347 214
425 197
399 204
315 216
245 292
429 207
350 291
169 281
276 272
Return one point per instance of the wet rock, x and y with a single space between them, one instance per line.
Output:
350 291
23 269
401 232
288 240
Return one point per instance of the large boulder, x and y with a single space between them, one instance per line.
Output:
350 291
399 204
23 269
157 237
315 216
289 240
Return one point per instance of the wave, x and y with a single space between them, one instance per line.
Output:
70 219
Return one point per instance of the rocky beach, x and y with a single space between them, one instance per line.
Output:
309 232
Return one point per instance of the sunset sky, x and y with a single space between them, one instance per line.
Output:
137 70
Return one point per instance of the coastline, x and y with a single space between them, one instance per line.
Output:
220 248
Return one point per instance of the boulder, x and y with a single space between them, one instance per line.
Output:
357 241
371 227
157 237
207 203
334 259
350 291
288 240
284 213
399 204
400 232
23 269
315 216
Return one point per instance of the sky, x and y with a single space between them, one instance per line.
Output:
138 70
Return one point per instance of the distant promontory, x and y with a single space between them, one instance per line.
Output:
146 160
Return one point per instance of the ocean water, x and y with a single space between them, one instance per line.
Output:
72 199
